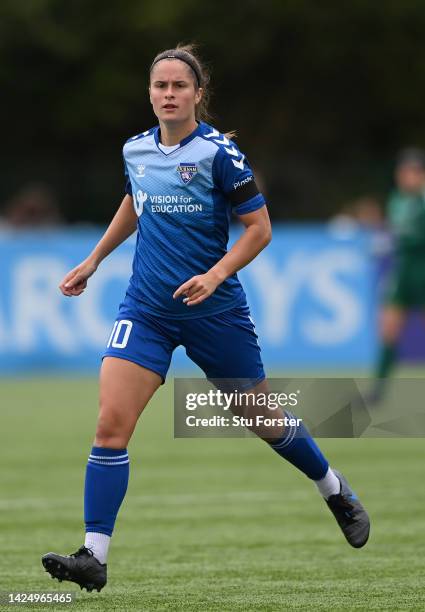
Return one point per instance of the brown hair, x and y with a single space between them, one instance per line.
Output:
188 54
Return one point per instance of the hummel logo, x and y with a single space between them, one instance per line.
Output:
140 170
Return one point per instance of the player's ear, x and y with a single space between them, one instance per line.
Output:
198 95
150 97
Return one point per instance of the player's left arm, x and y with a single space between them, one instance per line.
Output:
257 235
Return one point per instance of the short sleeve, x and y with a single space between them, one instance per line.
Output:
128 190
233 176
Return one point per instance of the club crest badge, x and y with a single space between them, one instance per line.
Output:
187 172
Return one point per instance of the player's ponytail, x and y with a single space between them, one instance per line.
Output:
189 54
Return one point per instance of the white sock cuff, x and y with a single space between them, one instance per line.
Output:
329 484
98 544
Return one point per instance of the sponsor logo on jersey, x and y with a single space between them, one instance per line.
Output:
165 203
187 171
174 204
243 182
176 208
139 198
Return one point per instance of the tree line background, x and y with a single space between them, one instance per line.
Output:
322 94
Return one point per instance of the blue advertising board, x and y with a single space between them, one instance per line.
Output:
311 296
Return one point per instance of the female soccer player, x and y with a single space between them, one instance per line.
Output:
183 177
406 288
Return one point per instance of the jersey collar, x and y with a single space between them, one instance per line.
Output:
182 143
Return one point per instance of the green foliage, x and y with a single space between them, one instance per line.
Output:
326 88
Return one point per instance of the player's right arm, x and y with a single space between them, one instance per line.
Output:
121 227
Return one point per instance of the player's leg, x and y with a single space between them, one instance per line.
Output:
286 435
225 346
125 390
391 325
408 293
135 364
398 295
392 319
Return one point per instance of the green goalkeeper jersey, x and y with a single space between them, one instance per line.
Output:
406 214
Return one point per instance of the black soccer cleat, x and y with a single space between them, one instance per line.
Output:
350 514
80 567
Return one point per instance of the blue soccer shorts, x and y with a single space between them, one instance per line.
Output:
224 346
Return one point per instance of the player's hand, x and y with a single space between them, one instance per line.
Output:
75 281
197 289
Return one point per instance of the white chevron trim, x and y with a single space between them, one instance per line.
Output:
212 134
238 163
232 151
139 135
215 136
223 141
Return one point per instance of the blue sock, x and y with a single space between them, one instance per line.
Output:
106 484
298 447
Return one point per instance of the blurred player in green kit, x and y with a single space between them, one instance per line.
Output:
405 290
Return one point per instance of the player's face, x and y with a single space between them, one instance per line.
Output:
410 178
173 92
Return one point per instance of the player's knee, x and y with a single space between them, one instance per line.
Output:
112 430
390 330
392 321
106 439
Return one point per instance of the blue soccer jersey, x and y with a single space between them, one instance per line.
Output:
183 200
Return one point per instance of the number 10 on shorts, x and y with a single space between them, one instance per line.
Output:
120 334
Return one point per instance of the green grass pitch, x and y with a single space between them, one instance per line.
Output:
206 524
